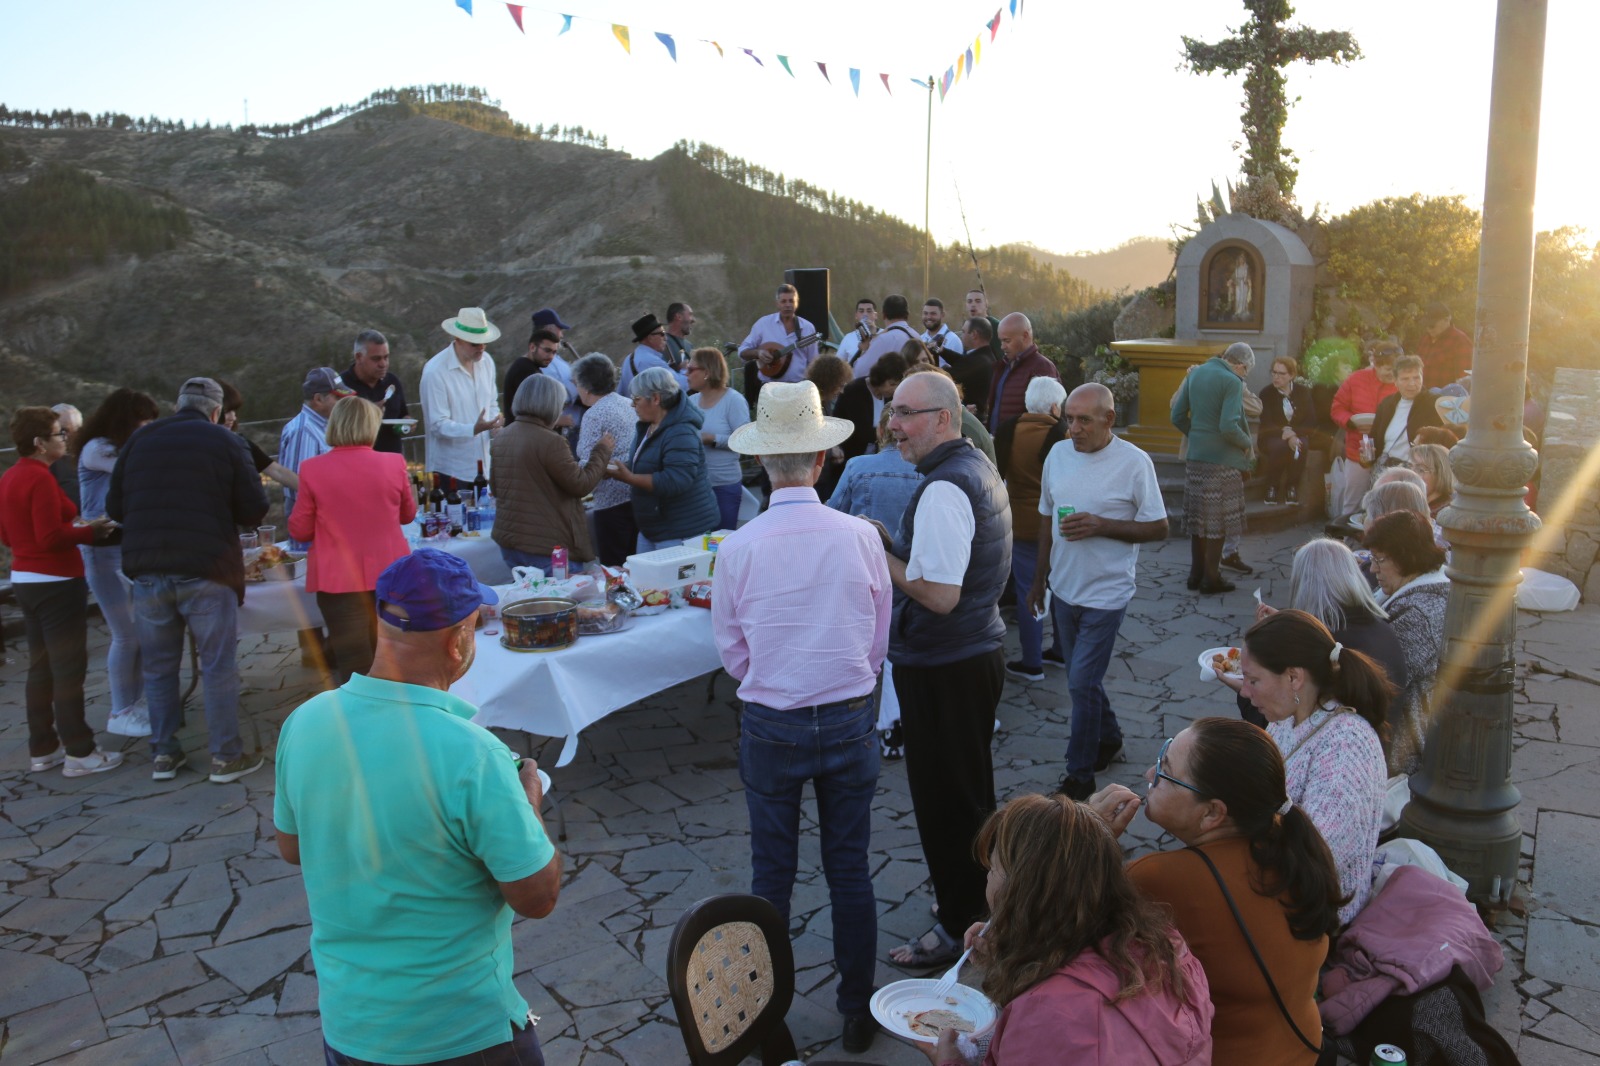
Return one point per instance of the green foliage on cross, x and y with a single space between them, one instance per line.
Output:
1261 48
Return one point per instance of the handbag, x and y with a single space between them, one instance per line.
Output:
1255 954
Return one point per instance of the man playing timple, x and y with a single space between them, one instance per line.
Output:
458 400
369 378
1008 390
801 586
936 333
775 332
949 561
418 836
891 338
1092 555
866 325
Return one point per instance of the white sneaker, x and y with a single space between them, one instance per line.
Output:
96 762
130 722
41 763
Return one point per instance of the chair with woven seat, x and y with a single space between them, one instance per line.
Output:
730 970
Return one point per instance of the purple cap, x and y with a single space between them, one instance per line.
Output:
546 316
435 590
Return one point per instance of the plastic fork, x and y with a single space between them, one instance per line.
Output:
948 981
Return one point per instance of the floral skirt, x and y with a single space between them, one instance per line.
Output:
1213 500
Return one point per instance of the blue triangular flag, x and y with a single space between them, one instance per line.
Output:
666 42
566 24
465 5
855 80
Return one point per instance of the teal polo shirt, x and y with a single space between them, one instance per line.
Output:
408 815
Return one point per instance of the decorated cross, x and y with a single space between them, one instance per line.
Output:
1261 48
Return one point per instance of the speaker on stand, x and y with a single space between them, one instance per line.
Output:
812 283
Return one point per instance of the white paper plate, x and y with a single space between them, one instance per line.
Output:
544 781
891 1003
1206 672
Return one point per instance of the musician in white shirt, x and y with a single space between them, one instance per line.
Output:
936 333
891 338
764 349
866 322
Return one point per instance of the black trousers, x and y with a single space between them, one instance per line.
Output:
1278 463
947 721
616 534
352 620
55 615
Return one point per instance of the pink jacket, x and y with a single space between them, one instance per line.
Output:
1074 1016
1407 938
1359 395
351 505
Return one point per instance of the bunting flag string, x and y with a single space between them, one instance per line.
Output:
965 63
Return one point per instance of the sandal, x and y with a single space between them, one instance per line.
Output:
933 950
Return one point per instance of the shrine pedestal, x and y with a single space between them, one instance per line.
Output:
1161 363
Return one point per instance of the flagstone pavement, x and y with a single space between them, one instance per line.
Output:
153 922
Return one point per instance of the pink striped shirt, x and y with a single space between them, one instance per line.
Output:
800 604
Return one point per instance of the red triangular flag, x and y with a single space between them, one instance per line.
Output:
886 88
994 26
516 15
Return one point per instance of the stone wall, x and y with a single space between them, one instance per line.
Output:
1572 435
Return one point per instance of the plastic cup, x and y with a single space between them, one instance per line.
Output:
248 541
267 535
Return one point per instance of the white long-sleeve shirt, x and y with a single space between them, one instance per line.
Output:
454 398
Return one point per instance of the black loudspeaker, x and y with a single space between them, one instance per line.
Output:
812 284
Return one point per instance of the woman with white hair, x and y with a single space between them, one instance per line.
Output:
1326 582
672 497
538 486
1209 410
1021 446
606 412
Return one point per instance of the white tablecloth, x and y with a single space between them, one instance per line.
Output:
286 606
556 694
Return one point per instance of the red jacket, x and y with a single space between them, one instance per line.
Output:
1359 395
1447 359
1007 402
351 505
36 522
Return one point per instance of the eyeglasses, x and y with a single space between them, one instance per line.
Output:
903 413
60 434
1162 775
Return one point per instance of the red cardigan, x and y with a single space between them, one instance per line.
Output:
36 522
351 505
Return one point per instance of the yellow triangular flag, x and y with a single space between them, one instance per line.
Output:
959 61
621 34
977 50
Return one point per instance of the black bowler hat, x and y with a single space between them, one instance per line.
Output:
645 326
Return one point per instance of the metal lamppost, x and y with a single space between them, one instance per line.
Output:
1463 798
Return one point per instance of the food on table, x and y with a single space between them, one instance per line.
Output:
258 561
598 616
1226 664
539 625
931 1023
657 598
698 594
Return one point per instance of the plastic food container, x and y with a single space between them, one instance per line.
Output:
669 568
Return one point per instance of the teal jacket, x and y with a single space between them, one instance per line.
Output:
1210 412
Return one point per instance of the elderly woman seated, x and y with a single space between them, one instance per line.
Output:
1082 967
1401 489
538 486
672 497
1432 463
1326 582
1414 591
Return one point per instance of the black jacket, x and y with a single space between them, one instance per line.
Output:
181 488
1423 413
1272 420
856 403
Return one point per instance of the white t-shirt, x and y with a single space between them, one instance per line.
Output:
1396 445
1117 482
942 545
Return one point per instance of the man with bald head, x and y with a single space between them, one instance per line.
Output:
949 562
1100 500
1020 363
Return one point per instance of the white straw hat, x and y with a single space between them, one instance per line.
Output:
471 324
789 419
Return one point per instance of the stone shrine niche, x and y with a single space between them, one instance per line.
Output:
1232 284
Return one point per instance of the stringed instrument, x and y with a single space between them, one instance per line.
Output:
782 356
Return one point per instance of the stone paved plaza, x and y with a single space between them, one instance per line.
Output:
153 922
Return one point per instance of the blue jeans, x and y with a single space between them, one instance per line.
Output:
103 569
164 605
1030 631
513 557
835 747
1087 635
728 499
521 1050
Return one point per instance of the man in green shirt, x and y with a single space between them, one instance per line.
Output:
418 834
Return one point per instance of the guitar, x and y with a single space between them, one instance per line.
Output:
781 356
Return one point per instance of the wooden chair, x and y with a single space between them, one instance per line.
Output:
730 970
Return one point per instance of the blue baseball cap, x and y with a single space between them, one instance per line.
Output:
435 590
546 316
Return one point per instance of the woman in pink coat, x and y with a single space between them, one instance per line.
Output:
1084 970
351 505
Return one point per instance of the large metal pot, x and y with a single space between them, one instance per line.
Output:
545 624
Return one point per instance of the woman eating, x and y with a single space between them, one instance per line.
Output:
1326 707
1254 872
722 411
672 498
606 413
38 522
98 443
1082 968
1415 591
350 507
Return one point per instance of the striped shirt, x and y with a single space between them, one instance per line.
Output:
304 436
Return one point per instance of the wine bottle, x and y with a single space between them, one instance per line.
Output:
436 497
456 511
480 486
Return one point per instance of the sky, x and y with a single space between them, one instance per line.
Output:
1075 131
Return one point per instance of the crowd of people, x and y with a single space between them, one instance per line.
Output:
913 482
